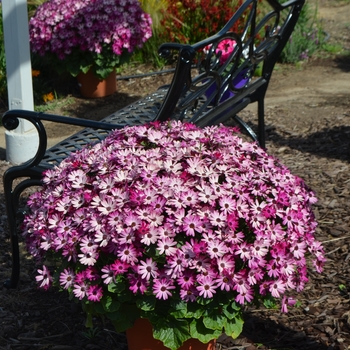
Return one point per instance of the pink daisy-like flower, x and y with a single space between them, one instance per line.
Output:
217 219
94 293
189 295
44 278
216 249
80 290
187 280
225 263
88 258
128 254
287 301
192 224
67 278
108 275
227 204
78 178
161 288
244 297
151 236
167 246
276 288
207 287
176 265
224 283
119 267
148 269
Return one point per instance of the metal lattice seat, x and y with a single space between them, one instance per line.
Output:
138 113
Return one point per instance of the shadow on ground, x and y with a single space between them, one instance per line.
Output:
270 334
329 142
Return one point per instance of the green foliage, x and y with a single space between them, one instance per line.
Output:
33 5
189 21
91 333
49 106
306 38
174 321
149 51
332 48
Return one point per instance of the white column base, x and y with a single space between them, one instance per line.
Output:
21 147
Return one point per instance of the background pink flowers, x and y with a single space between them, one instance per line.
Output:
77 34
60 26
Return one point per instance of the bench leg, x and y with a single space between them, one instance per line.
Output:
246 127
11 208
12 197
261 122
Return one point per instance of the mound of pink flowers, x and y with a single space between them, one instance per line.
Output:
175 212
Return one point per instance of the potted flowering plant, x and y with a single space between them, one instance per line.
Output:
174 224
79 35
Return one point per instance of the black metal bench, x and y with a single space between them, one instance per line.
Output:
205 90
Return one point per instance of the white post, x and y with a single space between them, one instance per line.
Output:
21 143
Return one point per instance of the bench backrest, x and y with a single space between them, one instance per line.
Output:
205 78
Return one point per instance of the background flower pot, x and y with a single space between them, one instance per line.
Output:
140 337
92 87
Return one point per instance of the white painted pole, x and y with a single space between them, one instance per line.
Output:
22 143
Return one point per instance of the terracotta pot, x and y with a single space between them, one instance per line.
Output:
92 87
140 337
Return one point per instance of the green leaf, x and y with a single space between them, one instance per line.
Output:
270 303
231 311
193 310
172 333
204 301
199 331
109 304
82 68
124 318
104 72
99 308
121 325
116 288
147 303
214 321
236 306
233 327
88 322
180 309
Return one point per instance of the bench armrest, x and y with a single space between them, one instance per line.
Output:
10 120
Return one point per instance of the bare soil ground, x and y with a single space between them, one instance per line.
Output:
308 128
